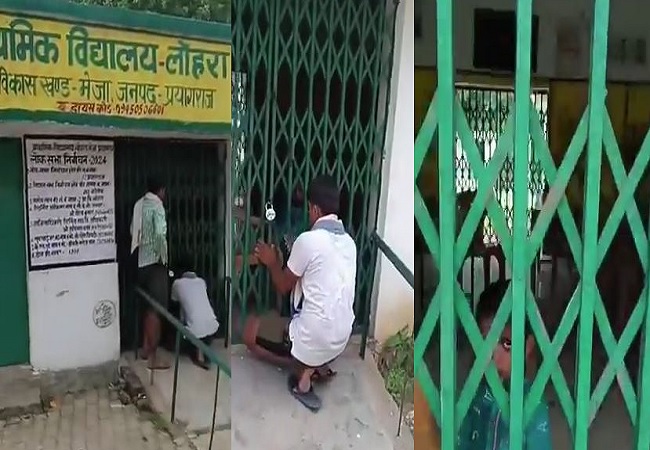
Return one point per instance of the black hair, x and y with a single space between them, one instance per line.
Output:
324 193
491 299
154 184
185 262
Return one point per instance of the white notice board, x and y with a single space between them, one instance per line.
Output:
70 201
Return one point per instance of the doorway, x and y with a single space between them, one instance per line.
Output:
194 173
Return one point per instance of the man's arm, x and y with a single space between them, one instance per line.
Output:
136 230
300 257
160 231
283 280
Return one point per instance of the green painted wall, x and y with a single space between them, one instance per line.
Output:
14 326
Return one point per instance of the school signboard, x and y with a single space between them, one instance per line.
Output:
69 68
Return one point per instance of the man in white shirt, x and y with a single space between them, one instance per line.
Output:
191 292
321 276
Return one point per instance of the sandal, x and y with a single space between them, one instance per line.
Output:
309 399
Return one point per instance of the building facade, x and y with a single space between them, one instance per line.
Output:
92 101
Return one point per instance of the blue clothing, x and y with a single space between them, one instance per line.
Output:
485 429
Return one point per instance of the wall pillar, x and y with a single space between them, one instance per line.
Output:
393 297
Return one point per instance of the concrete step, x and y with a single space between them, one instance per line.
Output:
20 392
195 392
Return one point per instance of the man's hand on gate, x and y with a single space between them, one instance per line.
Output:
267 254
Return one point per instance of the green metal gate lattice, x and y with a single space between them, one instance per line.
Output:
312 80
194 173
487 110
588 241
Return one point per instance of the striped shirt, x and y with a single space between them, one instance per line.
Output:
153 240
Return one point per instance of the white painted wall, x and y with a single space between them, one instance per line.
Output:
63 334
61 301
394 297
628 18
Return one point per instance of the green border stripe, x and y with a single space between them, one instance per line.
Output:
121 18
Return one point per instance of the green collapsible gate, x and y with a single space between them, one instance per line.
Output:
310 90
588 240
487 111
194 173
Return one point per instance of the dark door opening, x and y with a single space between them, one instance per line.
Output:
194 173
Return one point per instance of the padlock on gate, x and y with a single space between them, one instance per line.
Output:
269 212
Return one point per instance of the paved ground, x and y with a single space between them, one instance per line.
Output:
357 414
357 411
195 397
221 440
88 421
19 389
195 392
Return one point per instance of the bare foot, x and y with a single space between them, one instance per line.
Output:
323 374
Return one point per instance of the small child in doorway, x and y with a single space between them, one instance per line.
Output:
484 427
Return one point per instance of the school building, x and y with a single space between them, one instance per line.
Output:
94 99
